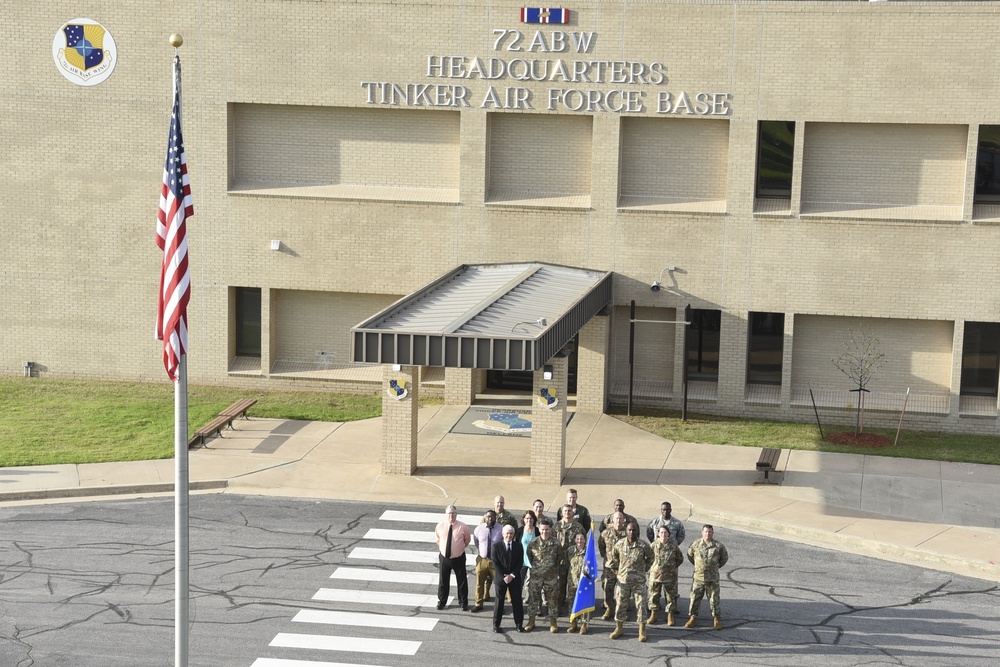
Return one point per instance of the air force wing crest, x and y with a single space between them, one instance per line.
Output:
397 389
84 51
547 397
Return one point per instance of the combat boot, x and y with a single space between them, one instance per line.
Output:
652 616
530 625
583 628
607 612
642 632
717 624
553 626
619 629
670 618
572 626
691 622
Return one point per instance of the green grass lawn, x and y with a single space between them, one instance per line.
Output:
786 435
46 421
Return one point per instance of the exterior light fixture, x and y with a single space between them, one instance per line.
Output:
547 372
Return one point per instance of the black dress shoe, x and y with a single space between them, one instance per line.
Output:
497 630
465 607
520 628
440 606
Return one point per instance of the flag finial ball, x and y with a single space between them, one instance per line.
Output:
176 40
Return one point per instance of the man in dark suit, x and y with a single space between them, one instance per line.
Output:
508 559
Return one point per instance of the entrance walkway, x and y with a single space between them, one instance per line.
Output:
940 515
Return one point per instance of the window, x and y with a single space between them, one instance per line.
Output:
248 321
766 345
775 145
988 165
980 367
703 344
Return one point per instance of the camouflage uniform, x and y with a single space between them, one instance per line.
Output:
505 518
675 525
605 545
565 533
546 557
707 557
631 562
663 575
606 522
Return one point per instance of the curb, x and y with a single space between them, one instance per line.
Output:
856 545
111 490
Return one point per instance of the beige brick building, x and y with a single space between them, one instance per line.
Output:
792 170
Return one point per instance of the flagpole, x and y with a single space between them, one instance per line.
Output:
181 506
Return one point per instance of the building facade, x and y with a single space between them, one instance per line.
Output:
796 172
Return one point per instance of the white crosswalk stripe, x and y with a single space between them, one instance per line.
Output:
365 620
353 644
374 597
389 576
400 535
395 555
280 662
428 517
373 602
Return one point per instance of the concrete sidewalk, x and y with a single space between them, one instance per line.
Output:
940 515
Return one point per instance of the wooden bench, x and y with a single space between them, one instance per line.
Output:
224 419
239 408
768 462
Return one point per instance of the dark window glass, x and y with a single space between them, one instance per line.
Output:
248 321
980 357
988 164
775 145
766 344
703 344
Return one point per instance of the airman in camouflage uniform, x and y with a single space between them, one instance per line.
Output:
708 556
575 555
619 506
566 530
605 544
546 558
663 575
631 559
504 517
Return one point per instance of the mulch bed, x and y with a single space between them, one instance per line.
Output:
863 440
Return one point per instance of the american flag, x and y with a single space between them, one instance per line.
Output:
171 237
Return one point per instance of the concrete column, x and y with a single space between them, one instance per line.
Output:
462 384
267 329
680 358
592 366
797 149
399 422
957 348
733 361
548 426
786 362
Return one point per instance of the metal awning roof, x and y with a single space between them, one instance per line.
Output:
493 316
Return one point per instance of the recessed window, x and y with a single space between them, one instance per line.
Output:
766 344
981 359
703 344
775 146
988 165
248 321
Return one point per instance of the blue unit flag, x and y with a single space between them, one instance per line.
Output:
586 592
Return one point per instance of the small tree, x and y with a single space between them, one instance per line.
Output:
860 361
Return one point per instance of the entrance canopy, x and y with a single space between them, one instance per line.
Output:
492 316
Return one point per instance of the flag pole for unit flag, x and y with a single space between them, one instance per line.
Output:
181 506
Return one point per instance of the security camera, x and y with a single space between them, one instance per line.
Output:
655 287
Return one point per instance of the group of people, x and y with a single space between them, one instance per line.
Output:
549 555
